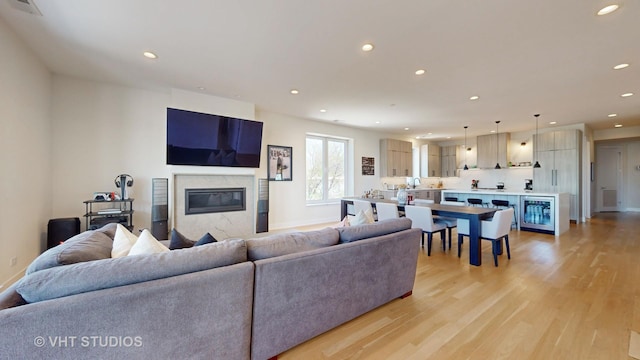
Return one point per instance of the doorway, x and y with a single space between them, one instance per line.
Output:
609 178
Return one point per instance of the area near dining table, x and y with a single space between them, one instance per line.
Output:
473 214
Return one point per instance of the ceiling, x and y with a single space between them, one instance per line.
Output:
550 57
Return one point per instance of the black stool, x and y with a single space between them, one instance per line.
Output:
476 202
59 230
504 204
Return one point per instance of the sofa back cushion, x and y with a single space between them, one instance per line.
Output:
107 273
86 246
365 231
289 243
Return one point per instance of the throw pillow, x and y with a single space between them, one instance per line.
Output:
86 246
122 242
343 223
147 244
11 298
362 217
179 241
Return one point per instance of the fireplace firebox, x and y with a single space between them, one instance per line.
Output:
203 201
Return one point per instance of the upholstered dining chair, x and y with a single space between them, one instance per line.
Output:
451 222
422 218
387 211
495 230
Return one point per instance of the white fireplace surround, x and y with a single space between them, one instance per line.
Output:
222 225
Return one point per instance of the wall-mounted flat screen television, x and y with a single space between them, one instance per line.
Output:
195 138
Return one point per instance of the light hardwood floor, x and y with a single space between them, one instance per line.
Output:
570 297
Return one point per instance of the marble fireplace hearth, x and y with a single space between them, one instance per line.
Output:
222 225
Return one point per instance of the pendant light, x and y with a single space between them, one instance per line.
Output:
537 164
465 149
497 147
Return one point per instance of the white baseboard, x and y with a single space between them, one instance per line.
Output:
633 209
12 279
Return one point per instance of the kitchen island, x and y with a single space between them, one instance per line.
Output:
536 211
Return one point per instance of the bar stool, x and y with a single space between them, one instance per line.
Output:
504 204
450 198
476 202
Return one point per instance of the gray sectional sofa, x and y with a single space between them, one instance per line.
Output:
236 299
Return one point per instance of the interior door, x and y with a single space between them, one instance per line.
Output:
608 176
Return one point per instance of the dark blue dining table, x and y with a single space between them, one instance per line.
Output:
472 213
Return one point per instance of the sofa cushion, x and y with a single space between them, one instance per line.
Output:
107 273
147 244
289 243
364 231
179 241
86 246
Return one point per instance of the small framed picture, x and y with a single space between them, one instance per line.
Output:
279 163
368 166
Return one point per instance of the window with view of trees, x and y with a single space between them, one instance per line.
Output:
326 168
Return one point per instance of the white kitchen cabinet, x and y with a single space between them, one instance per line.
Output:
448 161
430 161
559 157
396 158
493 149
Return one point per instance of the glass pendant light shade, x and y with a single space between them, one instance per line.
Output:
466 149
497 147
537 164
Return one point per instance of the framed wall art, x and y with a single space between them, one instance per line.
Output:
279 163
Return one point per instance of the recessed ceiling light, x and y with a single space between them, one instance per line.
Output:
429 133
492 131
474 97
294 92
627 94
377 122
367 47
612 115
150 55
552 122
448 137
406 129
420 72
620 66
608 9
323 110
201 88
617 125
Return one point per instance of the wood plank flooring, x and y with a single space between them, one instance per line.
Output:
570 297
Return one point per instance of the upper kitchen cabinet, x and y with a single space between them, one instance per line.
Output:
493 149
559 155
395 158
430 161
448 161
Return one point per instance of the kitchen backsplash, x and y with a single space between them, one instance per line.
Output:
513 179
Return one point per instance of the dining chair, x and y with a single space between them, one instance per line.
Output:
363 205
422 218
387 211
451 222
495 230
422 202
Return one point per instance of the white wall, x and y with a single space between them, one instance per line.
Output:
25 186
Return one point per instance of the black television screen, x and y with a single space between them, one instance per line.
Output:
195 138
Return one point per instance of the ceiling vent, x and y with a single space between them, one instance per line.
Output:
26 5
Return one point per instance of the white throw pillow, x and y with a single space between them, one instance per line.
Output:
362 218
147 244
122 242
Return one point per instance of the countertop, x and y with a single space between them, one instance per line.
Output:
499 192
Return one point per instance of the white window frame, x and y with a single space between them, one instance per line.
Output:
347 167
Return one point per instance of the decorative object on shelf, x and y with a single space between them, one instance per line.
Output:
537 164
368 167
402 196
466 148
474 184
123 181
497 147
279 168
